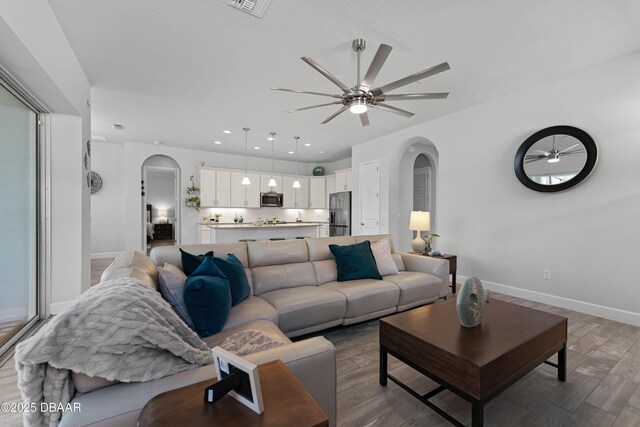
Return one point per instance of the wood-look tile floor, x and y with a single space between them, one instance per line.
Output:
602 387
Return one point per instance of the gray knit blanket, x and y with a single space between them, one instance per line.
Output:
119 330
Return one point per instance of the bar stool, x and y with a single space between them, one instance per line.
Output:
246 240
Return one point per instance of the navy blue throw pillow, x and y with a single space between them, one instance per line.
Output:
233 269
190 262
208 298
355 262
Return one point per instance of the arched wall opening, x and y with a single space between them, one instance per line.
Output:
401 185
161 207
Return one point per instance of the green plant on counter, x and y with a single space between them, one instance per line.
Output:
193 198
429 237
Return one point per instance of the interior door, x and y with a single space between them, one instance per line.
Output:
369 198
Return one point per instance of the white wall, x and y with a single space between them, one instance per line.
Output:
107 210
37 54
506 233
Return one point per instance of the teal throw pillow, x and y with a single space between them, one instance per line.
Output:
190 262
208 268
208 300
233 269
355 262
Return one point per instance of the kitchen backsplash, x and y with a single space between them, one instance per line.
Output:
251 215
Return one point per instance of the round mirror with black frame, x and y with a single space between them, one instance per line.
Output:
555 159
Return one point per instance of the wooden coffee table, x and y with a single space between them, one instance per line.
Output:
286 402
474 363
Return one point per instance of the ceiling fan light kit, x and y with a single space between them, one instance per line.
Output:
360 98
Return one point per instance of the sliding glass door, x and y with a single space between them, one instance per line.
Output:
18 216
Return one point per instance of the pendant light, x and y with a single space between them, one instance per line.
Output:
272 182
296 183
245 180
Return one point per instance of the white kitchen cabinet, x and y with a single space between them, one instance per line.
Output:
317 193
264 183
205 234
215 188
330 184
245 196
343 180
323 230
295 197
207 187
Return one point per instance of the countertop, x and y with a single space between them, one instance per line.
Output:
233 225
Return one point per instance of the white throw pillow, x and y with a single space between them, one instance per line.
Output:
382 254
171 284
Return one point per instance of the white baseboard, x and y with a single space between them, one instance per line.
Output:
58 307
13 314
611 313
105 255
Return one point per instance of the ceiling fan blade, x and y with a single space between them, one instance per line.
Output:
428 72
567 149
411 96
313 106
364 119
305 91
542 151
533 160
319 68
333 116
392 109
376 65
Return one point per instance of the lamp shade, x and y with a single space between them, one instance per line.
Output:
162 213
420 221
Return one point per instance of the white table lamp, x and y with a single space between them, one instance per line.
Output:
162 213
419 221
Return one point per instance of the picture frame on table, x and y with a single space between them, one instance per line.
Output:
248 391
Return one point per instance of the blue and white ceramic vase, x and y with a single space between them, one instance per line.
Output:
471 301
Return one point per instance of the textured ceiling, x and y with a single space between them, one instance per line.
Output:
181 72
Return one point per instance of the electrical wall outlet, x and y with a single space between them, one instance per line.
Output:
546 274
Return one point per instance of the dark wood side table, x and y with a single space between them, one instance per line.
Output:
286 403
453 266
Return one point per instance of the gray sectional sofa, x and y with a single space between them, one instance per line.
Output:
294 292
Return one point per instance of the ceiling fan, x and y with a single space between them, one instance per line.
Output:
362 96
553 155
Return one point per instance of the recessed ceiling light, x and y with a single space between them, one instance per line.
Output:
307 145
158 142
217 142
270 138
290 152
226 131
118 126
256 148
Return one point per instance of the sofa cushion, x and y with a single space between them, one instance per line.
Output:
266 252
233 270
306 306
135 265
270 329
366 296
171 282
253 308
272 277
319 247
208 300
382 254
191 262
355 262
415 286
397 258
171 254
326 271
84 383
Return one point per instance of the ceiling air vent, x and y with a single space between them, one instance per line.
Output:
116 126
256 8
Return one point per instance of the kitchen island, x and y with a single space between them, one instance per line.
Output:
233 232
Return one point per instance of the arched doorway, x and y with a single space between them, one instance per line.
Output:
160 202
420 152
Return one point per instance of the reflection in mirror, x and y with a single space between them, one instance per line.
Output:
554 159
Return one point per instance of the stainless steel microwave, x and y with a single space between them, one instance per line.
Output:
271 199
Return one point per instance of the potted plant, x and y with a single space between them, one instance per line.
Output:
427 240
217 217
193 197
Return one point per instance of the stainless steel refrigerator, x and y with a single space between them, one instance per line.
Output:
340 214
